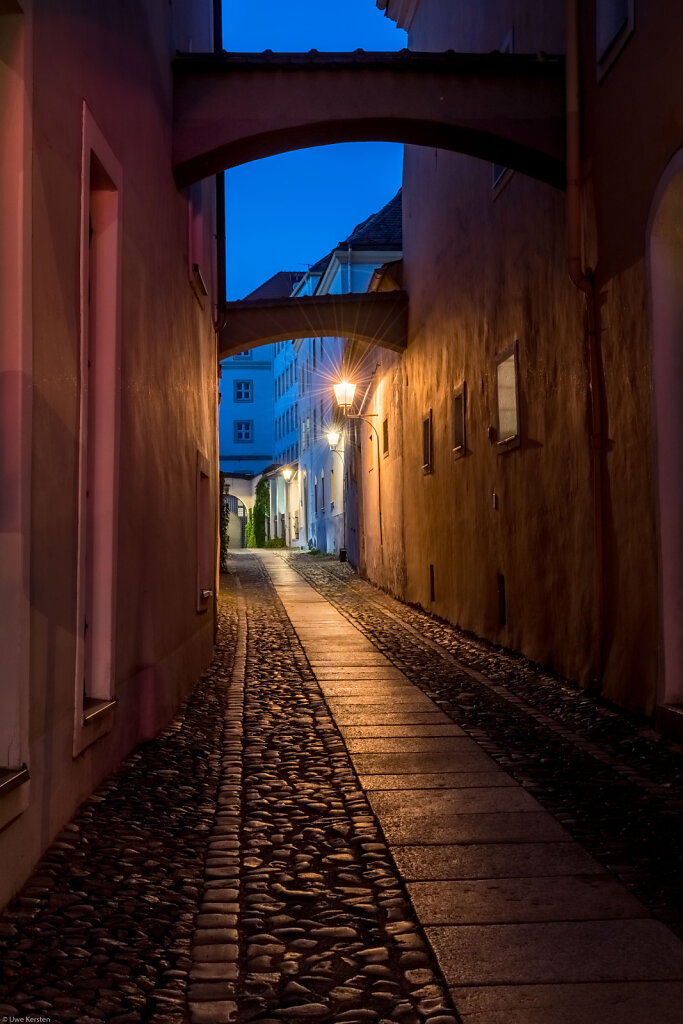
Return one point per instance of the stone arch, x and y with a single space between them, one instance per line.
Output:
504 108
378 318
665 267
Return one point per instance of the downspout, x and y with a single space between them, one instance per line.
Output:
583 279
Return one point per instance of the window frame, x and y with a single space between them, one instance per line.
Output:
459 393
98 439
428 463
235 431
506 444
236 384
385 437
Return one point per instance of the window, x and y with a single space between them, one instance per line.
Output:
507 397
243 355
427 443
322 489
314 340
242 390
243 430
315 424
196 239
322 418
321 350
614 21
332 488
15 403
315 494
385 436
459 421
98 436
206 555
287 421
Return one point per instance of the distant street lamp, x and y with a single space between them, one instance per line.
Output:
287 473
333 437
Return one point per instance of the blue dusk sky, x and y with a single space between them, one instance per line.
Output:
285 212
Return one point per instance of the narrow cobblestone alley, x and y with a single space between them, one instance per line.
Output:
362 815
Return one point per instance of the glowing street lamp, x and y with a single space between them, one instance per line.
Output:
333 438
344 392
287 473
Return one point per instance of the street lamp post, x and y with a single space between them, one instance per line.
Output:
344 391
287 474
333 439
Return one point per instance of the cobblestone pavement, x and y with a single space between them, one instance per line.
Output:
102 930
611 781
233 870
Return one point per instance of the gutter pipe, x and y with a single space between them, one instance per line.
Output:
583 279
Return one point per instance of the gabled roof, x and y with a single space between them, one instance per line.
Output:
381 230
279 286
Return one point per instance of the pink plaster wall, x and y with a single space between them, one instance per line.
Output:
116 56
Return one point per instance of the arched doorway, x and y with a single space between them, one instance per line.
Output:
665 252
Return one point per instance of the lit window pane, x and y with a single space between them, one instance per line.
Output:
508 424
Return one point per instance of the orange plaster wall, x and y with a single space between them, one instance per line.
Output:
483 270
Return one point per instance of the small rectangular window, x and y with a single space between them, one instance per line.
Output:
239 356
427 443
322 489
243 391
243 430
315 494
315 424
385 436
459 421
507 399
205 533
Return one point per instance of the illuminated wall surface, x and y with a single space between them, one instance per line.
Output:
555 527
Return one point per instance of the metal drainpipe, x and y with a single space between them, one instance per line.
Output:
583 279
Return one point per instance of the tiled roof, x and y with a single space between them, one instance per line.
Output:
381 230
279 286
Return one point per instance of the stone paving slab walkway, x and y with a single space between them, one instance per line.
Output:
525 925
325 833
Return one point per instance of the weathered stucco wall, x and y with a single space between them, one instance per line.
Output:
485 268
115 56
